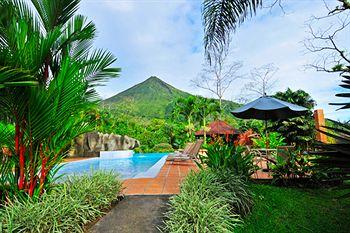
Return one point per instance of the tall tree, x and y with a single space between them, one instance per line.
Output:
329 44
218 75
261 80
186 108
51 45
299 130
206 108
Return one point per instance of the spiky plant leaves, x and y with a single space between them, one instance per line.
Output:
220 17
52 50
346 85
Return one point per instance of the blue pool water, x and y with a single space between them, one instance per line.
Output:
138 166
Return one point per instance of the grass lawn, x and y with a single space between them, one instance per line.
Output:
279 210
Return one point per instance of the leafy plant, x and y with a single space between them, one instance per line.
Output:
66 209
245 138
298 131
206 108
206 205
272 141
240 197
52 47
163 147
290 166
230 158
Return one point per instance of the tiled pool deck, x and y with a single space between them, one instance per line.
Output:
169 178
167 181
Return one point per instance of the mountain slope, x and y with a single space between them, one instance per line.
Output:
152 98
147 99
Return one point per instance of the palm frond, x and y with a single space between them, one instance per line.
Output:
346 85
10 77
53 13
220 17
97 68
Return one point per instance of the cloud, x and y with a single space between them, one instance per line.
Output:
164 38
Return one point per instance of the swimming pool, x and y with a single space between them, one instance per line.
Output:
139 165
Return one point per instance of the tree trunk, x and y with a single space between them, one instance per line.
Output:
204 131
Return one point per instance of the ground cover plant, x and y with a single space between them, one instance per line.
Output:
206 204
67 208
278 209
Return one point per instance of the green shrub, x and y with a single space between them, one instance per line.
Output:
207 203
272 141
163 147
290 168
240 197
231 158
66 209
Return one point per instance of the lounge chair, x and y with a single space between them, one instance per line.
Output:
186 150
190 152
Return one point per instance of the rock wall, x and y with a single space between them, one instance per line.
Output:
90 144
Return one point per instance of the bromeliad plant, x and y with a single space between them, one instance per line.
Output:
52 47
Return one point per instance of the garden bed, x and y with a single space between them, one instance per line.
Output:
69 207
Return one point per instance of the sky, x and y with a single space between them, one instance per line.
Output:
165 39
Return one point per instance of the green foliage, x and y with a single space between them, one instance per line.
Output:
299 131
208 202
220 18
149 99
223 157
47 49
66 209
271 141
154 112
279 209
163 147
256 125
148 132
240 198
290 166
346 85
153 98
185 110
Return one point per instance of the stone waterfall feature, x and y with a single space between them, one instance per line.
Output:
90 144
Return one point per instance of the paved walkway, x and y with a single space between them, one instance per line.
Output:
134 214
167 181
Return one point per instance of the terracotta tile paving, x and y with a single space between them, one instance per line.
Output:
167 181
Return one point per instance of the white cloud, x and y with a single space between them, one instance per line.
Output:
164 38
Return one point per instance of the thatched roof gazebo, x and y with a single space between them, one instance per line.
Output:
219 128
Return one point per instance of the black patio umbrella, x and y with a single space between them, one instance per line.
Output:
269 108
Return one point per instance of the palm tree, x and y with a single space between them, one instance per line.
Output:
206 108
48 49
186 107
220 17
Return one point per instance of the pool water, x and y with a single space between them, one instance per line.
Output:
139 165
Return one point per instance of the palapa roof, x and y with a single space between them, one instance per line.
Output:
218 128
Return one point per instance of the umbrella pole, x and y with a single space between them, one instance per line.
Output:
266 143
